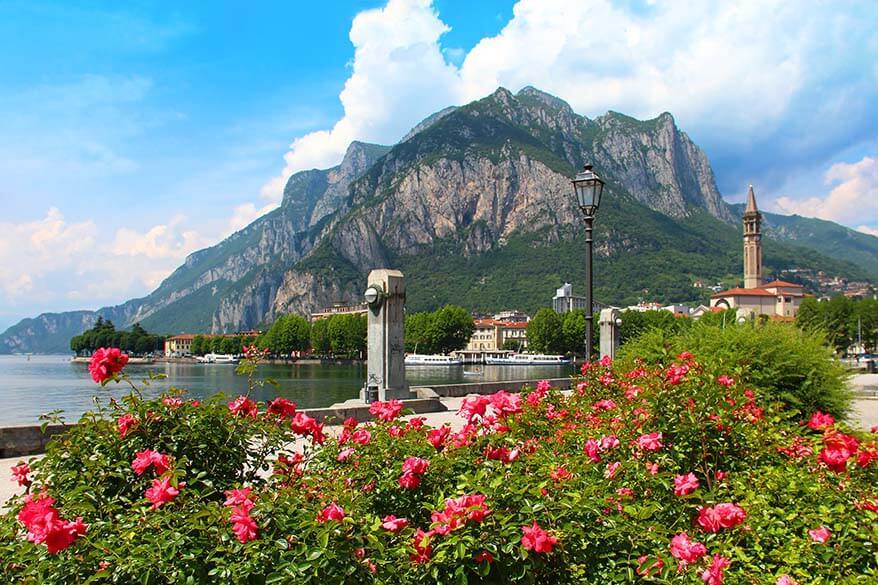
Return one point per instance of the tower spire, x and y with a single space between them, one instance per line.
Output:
752 243
751 201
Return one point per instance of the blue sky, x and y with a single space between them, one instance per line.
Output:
134 133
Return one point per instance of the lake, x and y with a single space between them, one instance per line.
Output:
30 387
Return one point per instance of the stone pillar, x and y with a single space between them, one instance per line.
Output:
611 332
386 354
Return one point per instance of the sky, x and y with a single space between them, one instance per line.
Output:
134 133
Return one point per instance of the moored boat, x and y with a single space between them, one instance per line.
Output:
528 359
217 358
414 359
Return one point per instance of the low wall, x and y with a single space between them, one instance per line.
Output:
26 439
456 390
20 441
337 413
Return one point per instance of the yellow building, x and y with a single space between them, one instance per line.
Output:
492 335
179 345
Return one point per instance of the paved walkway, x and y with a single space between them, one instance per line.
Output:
865 416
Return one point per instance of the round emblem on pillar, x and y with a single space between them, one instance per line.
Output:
374 295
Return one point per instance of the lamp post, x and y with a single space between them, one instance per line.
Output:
588 186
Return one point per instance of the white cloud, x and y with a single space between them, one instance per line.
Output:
52 258
853 197
164 241
244 214
872 231
399 76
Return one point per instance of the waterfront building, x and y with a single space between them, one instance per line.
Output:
774 299
179 345
340 309
493 335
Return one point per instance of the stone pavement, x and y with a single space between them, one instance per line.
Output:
865 416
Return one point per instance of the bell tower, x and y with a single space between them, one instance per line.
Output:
752 243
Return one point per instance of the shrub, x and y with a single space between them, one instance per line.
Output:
791 365
668 474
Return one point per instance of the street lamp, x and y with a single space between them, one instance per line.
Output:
588 187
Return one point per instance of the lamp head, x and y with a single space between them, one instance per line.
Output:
588 187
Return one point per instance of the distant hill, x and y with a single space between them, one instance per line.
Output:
475 206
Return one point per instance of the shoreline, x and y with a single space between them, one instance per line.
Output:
187 360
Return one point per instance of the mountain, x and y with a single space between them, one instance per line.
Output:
475 206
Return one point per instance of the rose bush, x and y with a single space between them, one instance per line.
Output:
653 474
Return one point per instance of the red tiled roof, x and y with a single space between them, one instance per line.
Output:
781 283
182 337
743 292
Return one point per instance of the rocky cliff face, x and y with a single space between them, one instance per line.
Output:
658 165
469 178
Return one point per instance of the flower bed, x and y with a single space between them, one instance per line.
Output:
667 475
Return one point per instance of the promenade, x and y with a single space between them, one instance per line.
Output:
865 416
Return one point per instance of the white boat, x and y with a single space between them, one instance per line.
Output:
217 358
528 359
414 359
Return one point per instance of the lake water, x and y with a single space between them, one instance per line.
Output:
32 387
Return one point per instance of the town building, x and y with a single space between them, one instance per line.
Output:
774 299
514 316
565 301
493 335
179 345
676 308
339 309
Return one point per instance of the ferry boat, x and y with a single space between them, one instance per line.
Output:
217 358
414 359
527 359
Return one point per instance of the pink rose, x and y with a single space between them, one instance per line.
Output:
243 406
820 535
243 525
147 458
105 363
125 424
331 512
713 575
437 437
720 516
685 484
19 474
650 442
536 539
820 421
393 524
686 551
161 492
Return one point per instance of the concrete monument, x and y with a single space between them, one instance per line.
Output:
385 295
610 323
